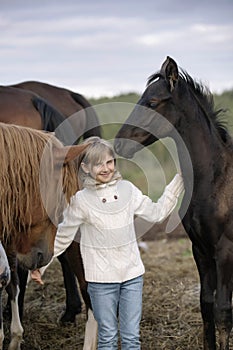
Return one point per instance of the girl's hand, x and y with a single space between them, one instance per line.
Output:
36 276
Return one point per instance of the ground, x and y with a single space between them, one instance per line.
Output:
171 315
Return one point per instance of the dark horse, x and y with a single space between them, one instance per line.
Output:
46 107
173 100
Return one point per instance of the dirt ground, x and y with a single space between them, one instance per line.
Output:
171 318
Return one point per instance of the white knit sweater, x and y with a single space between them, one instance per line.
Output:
105 217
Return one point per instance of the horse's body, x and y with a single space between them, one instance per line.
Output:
27 104
67 103
27 232
22 107
175 98
19 107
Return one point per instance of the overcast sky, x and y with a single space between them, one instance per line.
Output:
104 47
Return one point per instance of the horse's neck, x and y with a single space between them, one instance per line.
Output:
205 151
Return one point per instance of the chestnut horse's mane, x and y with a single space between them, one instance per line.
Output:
21 151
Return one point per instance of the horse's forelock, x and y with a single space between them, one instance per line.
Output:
153 77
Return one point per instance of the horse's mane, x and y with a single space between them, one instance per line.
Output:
20 192
205 98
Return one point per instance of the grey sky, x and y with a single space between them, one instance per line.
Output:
106 47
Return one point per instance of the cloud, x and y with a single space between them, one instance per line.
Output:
105 46
197 34
214 34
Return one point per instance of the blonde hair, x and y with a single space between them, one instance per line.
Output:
94 154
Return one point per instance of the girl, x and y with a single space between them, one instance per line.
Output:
104 212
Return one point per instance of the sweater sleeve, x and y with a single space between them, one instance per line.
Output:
73 217
159 211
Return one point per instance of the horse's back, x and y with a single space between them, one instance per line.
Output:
59 97
16 107
84 119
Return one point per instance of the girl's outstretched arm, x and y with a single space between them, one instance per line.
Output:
159 211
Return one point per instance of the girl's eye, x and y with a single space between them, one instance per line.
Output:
97 163
108 162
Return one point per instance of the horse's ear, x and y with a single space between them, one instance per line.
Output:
68 153
74 152
170 72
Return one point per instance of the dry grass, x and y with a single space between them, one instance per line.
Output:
171 318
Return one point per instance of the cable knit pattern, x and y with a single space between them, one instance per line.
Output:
108 243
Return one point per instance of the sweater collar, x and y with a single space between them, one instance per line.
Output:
91 183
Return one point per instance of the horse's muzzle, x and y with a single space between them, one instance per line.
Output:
35 259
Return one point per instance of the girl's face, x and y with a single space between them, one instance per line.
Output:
102 172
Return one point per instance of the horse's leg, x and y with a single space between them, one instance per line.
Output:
207 273
13 291
91 330
75 260
16 326
23 277
223 315
223 305
73 302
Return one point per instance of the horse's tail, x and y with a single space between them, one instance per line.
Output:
54 121
92 121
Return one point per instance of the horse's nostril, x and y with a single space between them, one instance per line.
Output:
39 258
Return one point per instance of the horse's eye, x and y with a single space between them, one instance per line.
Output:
154 103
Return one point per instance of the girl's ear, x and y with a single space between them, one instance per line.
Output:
85 168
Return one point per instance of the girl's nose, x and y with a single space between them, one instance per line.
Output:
105 166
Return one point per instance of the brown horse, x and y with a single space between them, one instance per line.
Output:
68 103
27 104
27 231
26 108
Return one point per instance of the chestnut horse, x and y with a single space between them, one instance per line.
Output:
174 103
44 106
26 108
68 103
27 231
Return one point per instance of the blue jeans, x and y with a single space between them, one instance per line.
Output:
117 301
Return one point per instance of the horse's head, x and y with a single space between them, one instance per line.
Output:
155 114
35 247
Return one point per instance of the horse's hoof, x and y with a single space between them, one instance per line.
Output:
16 342
68 316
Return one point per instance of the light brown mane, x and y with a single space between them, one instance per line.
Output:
21 150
